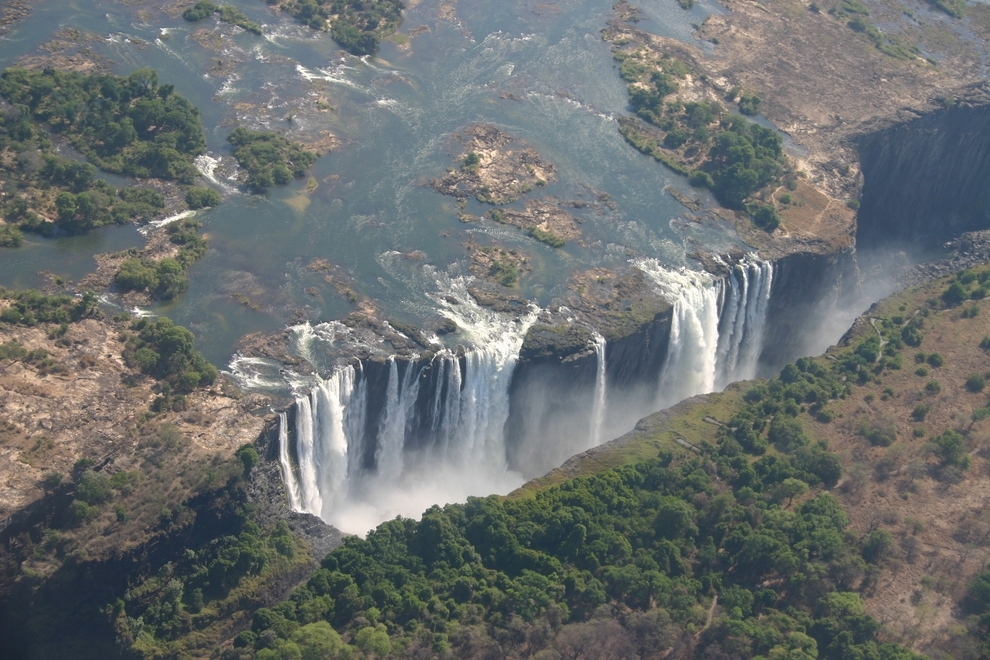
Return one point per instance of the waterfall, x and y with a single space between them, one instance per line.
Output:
284 463
745 297
323 452
598 409
436 422
716 330
393 435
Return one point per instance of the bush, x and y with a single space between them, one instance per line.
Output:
920 412
976 382
786 434
954 295
249 458
551 239
765 217
749 104
199 198
701 179
267 157
201 10
951 449
165 351
880 433
935 359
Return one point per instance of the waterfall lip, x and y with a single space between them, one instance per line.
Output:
716 332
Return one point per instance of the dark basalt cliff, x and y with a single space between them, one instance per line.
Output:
808 291
925 179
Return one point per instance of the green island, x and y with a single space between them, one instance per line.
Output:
164 278
356 25
269 158
124 125
725 152
227 14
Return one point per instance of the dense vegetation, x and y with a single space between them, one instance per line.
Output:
228 14
164 278
185 554
46 191
166 352
269 158
27 307
724 152
125 125
357 25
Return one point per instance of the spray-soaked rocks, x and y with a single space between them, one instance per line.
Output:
494 167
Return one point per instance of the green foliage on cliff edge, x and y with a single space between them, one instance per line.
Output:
357 25
164 562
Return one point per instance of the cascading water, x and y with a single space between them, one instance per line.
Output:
598 411
392 436
716 332
288 478
745 296
440 428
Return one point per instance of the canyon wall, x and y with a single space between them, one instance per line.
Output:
925 179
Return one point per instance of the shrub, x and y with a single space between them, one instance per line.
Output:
881 432
701 179
951 450
198 197
787 434
199 11
248 456
920 412
935 359
954 295
765 217
976 382
165 351
933 387
749 104
548 237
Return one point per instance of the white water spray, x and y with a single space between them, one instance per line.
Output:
716 331
447 442
598 411
745 298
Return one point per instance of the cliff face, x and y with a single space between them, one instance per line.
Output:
804 311
925 180
552 395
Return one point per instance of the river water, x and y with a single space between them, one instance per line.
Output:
538 70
